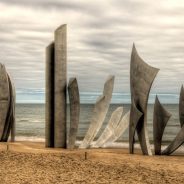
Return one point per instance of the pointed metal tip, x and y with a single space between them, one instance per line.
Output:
134 50
51 44
63 26
110 77
72 80
157 100
99 99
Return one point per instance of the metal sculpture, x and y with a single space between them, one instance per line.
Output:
111 126
10 120
141 78
7 106
49 96
74 98
176 143
60 87
135 116
99 114
181 106
179 139
160 119
120 129
56 85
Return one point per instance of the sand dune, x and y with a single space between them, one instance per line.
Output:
27 162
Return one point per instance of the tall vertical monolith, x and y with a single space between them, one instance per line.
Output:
13 126
60 87
49 96
181 106
74 99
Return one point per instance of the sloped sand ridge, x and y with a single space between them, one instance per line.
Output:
32 163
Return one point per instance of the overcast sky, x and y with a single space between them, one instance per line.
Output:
100 38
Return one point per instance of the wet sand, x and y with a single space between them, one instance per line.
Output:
31 163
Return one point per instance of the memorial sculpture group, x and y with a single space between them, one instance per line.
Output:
7 106
141 78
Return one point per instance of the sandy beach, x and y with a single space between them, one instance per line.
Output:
27 162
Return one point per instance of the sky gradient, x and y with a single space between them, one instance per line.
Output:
100 38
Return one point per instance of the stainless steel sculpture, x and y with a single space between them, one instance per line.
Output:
141 78
13 128
111 126
135 116
60 87
99 114
96 118
10 120
4 98
56 77
7 106
74 98
179 139
49 96
160 119
120 129
181 106
176 143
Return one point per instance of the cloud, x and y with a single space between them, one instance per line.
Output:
100 37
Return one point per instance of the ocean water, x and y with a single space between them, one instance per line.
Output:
30 121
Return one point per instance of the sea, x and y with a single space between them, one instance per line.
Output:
30 122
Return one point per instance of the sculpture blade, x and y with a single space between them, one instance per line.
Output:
176 143
10 119
96 118
74 98
4 98
13 127
181 106
135 116
49 96
111 126
120 129
100 111
60 84
160 119
141 78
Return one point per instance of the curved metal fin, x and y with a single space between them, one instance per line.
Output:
142 76
100 111
135 116
160 119
120 129
4 100
74 98
96 117
111 126
13 127
10 119
181 106
176 143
